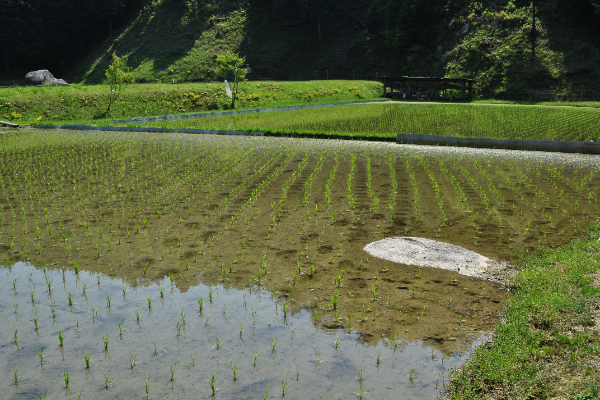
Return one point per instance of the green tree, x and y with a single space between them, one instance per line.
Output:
118 76
230 66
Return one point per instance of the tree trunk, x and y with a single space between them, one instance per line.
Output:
533 34
319 23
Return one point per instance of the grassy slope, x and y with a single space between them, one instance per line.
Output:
169 42
28 105
549 343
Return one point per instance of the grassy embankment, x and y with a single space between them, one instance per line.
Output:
87 104
386 120
549 344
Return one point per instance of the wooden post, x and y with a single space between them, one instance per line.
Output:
436 91
409 89
384 91
462 91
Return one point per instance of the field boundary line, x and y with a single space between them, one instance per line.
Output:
257 110
554 146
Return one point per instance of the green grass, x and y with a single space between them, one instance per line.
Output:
386 120
589 104
87 104
547 344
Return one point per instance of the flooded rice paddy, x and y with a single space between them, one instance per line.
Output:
274 229
176 349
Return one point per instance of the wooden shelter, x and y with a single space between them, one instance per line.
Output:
419 87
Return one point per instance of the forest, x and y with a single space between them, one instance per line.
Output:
490 40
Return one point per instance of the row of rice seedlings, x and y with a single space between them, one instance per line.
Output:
291 179
391 162
351 199
308 182
372 196
331 176
436 188
411 175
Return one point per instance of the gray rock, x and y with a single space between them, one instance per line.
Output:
434 254
38 77
59 82
43 76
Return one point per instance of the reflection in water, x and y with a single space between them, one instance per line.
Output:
138 342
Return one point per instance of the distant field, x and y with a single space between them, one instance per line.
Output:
386 120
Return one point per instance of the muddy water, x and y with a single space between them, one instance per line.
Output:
283 218
306 359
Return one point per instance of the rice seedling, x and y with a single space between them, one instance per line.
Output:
338 280
105 340
66 378
15 372
234 370
412 375
374 292
87 359
213 387
317 356
15 337
60 338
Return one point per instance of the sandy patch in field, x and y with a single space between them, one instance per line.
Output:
431 253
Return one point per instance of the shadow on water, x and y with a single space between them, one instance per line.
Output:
178 349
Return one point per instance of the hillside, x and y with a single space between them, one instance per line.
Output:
177 41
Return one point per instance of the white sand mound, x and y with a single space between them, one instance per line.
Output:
431 253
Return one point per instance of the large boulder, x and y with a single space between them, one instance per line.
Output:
43 76
38 77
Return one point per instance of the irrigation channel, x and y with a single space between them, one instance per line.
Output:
184 263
